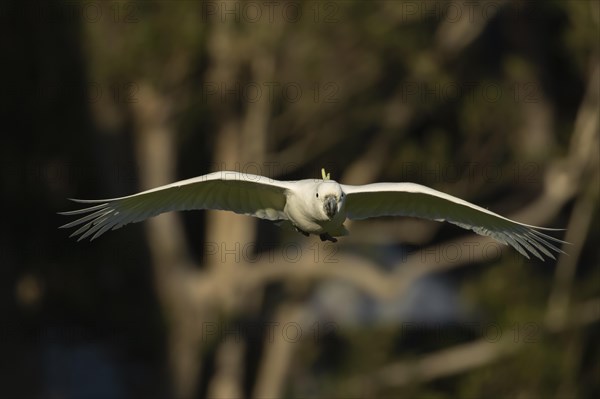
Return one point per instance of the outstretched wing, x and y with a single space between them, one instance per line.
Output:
231 191
409 199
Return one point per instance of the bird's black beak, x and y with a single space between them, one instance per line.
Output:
330 206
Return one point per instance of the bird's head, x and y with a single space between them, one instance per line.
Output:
330 198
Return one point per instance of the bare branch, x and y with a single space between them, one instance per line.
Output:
453 36
458 359
582 156
276 361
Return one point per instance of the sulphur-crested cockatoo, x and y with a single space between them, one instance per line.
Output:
312 206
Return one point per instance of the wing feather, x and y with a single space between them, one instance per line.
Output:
232 191
409 199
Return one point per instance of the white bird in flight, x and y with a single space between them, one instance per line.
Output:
311 206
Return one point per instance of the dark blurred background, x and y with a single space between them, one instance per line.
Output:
494 101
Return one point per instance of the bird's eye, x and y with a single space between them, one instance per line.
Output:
317 195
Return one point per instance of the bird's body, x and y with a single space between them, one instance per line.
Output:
312 206
306 212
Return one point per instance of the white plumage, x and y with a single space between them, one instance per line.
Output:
312 206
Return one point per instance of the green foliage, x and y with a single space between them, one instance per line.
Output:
402 92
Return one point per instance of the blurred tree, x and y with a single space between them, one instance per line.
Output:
496 102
